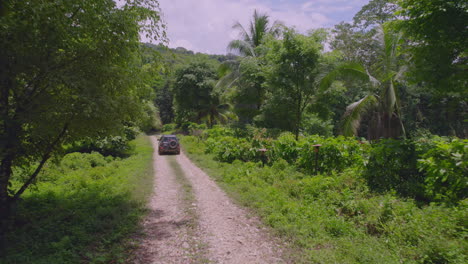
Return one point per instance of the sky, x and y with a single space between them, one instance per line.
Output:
206 25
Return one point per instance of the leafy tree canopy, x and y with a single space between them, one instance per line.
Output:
437 30
193 87
68 70
291 72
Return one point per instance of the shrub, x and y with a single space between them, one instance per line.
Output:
314 125
285 147
228 149
445 165
426 169
392 165
169 127
218 131
75 161
335 154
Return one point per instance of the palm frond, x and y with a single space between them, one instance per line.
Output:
354 112
389 97
277 28
374 81
241 46
259 27
229 72
227 81
243 34
352 69
401 72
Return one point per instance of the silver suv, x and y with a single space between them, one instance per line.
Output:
168 144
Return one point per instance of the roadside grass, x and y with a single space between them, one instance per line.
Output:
83 209
335 218
198 249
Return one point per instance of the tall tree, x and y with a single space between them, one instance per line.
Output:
375 13
438 42
216 112
68 70
245 72
436 31
385 108
164 101
292 71
193 87
259 27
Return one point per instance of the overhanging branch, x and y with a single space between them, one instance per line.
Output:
44 159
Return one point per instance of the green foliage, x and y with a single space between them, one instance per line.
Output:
392 165
169 127
335 154
291 72
69 70
438 31
314 125
376 12
446 167
149 119
249 95
260 26
117 146
425 169
334 218
285 147
428 170
218 131
83 209
194 96
228 149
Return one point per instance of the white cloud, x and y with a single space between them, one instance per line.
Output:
206 25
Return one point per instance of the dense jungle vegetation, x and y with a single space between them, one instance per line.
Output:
362 127
357 152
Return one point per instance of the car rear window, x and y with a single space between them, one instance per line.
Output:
166 139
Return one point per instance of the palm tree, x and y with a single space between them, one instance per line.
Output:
259 27
250 39
384 108
215 112
245 46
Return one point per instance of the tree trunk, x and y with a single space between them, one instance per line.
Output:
5 174
384 125
298 116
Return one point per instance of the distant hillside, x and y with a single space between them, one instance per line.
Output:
180 55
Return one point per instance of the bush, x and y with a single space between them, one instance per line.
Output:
150 121
228 149
116 146
169 127
425 169
218 131
314 125
445 166
285 147
392 166
335 153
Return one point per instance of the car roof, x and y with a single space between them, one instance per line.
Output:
169 136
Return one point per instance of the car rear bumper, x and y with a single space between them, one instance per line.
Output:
169 150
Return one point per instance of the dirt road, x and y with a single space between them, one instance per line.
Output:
193 221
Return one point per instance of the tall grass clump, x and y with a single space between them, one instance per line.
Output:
82 209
